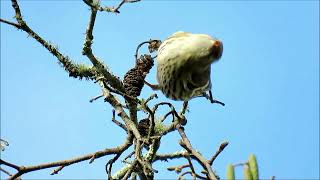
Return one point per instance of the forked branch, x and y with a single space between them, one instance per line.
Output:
25 169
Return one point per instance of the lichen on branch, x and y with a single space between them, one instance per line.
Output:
143 133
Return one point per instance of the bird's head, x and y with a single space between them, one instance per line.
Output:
217 49
203 49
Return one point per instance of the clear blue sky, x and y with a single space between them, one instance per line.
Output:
268 77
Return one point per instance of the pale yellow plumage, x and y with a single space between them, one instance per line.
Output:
184 62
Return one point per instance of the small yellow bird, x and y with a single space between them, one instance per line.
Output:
184 65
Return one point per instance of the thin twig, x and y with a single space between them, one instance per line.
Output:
141 44
185 143
123 94
10 23
170 156
97 6
130 125
240 164
117 122
152 96
95 98
5 171
178 169
221 148
9 165
105 81
129 156
110 163
190 172
166 115
130 170
56 171
116 9
87 50
191 167
168 104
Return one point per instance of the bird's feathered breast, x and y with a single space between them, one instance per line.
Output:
183 64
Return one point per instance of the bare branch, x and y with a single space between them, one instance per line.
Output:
5 171
56 171
151 49
168 104
17 11
185 143
97 6
152 96
87 50
221 148
174 155
96 98
110 163
75 70
166 115
178 169
191 173
191 167
116 9
130 170
128 156
117 122
240 164
9 164
131 126
26 169
10 23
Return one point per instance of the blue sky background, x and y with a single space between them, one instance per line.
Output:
268 77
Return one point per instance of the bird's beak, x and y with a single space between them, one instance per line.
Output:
217 49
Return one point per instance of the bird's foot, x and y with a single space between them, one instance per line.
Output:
212 100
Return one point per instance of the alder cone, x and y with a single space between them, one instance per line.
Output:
143 127
134 79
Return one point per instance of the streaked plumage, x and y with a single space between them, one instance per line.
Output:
184 64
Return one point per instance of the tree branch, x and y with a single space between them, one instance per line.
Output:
170 156
96 5
5 171
185 143
26 169
75 70
221 148
117 122
10 23
131 126
87 50
191 173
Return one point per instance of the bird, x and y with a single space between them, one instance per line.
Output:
184 65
